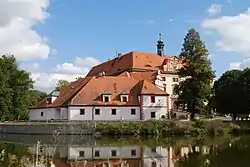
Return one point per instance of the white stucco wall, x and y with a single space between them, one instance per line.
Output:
159 107
105 152
122 113
64 114
48 114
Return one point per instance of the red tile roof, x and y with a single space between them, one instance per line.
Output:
132 60
88 91
66 94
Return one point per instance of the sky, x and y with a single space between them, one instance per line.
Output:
63 39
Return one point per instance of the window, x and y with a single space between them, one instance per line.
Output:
175 79
97 111
133 152
81 153
106 98
133 112
82 111
152 99
152 114
124 99
41 114
153 164
164 78
113 111
153 150
97 153
48 100
113 153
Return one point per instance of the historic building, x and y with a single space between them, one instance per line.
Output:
133 86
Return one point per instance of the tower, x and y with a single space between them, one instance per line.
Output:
160 46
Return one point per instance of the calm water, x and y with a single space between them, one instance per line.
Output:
82 151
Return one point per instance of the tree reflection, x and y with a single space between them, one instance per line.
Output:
229 155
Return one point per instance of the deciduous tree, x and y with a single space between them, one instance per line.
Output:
14 89
228 92
61 84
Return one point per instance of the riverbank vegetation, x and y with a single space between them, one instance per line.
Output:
167 128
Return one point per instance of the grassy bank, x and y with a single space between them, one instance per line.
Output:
155 128
167 128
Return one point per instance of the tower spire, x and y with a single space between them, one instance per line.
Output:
160 46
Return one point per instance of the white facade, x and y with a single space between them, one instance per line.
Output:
154 109
151 110
44 114
96 113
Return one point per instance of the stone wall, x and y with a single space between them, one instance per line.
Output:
63 129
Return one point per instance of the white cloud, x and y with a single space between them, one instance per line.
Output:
233 31
17 36
214 9
30 67
245 63
67 71
229 1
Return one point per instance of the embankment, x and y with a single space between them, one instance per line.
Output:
142 128
47 128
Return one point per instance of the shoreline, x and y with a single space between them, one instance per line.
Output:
120 128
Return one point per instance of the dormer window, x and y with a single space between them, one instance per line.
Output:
48 100
124 96
106 96
124 99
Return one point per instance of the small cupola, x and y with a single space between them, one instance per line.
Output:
52 97
124 96
160 46
106 96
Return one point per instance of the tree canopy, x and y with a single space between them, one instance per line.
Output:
195 90
15 91
61 84
232 92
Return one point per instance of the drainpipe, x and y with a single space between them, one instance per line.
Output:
93 113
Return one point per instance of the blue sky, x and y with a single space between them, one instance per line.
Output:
96 29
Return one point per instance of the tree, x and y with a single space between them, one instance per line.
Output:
195 90
61 84
228 92
35 96
14 90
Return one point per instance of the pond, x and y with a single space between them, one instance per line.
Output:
88 151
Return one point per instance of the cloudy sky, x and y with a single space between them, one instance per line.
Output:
62 39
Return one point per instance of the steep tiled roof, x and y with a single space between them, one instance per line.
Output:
132 60
66 94
89 91
148 88
91 94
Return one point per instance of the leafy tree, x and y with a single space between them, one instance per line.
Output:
35 96
61 84
14 89
228 91
195 91
244 95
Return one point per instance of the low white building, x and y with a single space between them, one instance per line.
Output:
104 98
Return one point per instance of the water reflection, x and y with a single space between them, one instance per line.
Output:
70 151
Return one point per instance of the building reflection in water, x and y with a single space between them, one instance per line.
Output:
120 156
